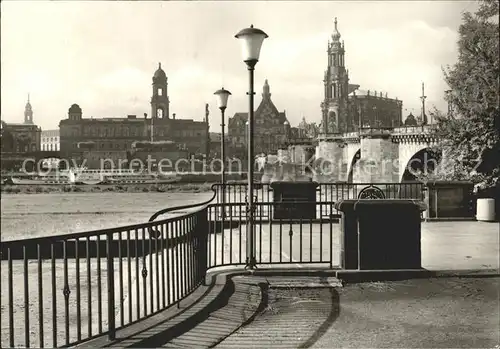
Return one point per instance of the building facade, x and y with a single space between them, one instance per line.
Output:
21 138
345 108
270 130
19 141
50 140
94 139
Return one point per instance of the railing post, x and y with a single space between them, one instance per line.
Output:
111 286
202 232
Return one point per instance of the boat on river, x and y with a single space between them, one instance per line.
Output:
93 177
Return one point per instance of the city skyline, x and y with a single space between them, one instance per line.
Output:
65 53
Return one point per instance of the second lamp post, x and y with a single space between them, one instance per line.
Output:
222 97
251 40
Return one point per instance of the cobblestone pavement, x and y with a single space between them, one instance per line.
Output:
425 313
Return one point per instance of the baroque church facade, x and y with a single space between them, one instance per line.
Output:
346 108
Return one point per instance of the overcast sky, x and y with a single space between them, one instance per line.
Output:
102 55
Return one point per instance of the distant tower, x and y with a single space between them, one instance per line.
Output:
75 112
336 81
207 148
159 101
28 112
422 98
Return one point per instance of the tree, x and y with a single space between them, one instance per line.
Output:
470 132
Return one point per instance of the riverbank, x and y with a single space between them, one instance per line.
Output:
130 188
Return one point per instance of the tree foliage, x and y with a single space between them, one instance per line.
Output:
470 132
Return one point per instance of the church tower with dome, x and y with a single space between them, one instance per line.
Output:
346 108
159 100
28 113
336 81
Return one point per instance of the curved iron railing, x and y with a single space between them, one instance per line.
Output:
185 207
63 290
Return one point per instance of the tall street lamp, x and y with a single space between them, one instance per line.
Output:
251 43
222 97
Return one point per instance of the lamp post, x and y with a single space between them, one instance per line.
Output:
251 43
222 97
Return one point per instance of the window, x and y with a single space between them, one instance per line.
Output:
159 113
160 91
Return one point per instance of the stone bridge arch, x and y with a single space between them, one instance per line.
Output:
417 156
352 165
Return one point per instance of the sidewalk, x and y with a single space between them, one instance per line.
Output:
240 310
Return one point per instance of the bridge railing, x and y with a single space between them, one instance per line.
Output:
65 289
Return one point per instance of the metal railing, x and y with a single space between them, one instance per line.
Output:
235 193
65 289
282 238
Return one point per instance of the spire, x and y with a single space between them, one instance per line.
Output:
28 112
159 65
336 33
266 90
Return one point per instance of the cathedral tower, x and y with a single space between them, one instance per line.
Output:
159 101
28 113
336 81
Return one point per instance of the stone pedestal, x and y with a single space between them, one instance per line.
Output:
329 159
378 153
381 234
450 199
294 200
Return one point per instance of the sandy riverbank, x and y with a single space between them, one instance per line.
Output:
134 188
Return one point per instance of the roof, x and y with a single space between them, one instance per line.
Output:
243 117
50 133
75 108
18 125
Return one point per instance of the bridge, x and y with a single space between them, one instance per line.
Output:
345 156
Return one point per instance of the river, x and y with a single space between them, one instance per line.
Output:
33 215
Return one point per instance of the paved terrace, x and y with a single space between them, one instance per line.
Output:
248 310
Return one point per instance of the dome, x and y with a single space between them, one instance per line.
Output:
159 73
75 108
